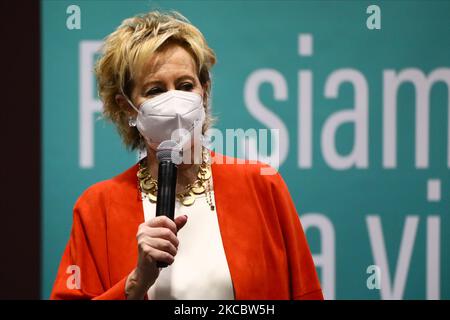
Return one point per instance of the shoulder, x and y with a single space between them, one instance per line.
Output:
98 195
257 173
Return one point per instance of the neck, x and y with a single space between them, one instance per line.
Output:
186 172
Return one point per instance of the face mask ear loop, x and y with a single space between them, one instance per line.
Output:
129 101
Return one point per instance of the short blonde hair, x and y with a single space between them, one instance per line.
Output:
130 46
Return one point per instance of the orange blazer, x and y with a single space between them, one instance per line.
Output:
264 243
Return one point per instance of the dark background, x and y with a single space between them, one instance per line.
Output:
20 239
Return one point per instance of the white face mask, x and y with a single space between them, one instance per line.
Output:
159 118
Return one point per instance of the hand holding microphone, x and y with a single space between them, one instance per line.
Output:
157 238
157 243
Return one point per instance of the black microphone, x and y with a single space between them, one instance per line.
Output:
167 182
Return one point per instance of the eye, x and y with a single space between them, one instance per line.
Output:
186 86
154 91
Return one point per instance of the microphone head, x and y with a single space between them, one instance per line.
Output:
169 150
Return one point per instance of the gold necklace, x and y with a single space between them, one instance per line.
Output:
149 185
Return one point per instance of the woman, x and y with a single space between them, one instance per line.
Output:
243 238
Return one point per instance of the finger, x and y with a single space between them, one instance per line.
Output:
162 245
181 221
163 233
158 255
162 221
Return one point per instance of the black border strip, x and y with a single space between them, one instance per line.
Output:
20 232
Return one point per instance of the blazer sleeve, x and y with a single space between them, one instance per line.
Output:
303 277
83 271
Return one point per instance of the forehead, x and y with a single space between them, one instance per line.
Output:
171 60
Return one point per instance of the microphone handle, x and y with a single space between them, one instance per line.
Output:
165 204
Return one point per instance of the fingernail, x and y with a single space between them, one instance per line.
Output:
186 216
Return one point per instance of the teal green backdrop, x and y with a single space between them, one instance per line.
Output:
313 65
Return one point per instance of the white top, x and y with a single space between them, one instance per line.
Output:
200 270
